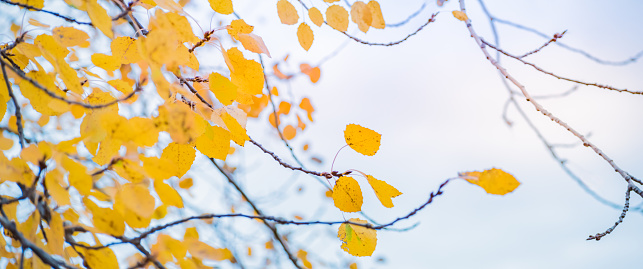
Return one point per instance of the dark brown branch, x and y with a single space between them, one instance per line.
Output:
557 76
21 134
282 163
598 236
43 255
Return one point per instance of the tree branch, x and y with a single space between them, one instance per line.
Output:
21 134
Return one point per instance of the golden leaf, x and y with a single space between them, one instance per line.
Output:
287 12
315 16
337 17
378 19
460 15
493 181
99 18
357 240
347 195
383 191
181 156
168 195
305 36
362 140
222 6
361 14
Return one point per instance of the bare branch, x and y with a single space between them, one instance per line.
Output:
21 134
598 236
556 37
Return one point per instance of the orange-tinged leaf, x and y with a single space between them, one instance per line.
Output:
315 16
222 6
493 181
284 108
376 11
362 15
186 183
168 195
237 132
287 12
460 15
69 36
313 72
253 43
305 36
289 132
353 266
239 27
357 240
362 140
308 107
347 195
99 18
35 22
383 191
214 142
137 198
181 156
303 256
337 17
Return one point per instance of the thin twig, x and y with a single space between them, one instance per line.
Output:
284 164
598 236
66 18
557 76
556 37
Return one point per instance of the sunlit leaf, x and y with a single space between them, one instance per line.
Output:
222 6
357 240
287 12
181 156
362 15
383 191
337 17
305 36
362 140
376 11
493 181
168 195
315 16
99 18
347 195
460 15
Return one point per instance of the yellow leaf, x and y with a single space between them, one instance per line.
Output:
214 142
253 43
376 11
5 143
222 88
303 256
53 180
107 151
15 170
69 36
347 195
107 62
362 140
361 14
184 125
105 220
383 190
36 23
204 251
55 235
237 132
493 181
308 107
315 15
130 170
78 177
305 36
125 50
337 17
287 12
246 74
460 15
100 258
168 195
181 156
222 6
159 168
99 18
357 240
186 183
43 103
239 27
137 198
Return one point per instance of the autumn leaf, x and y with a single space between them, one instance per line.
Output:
383 191
347 195
305 36
362 15
493 181
357 240
337 17
460 15
222 6
376 11
287 12
315 16
313 72
362 140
